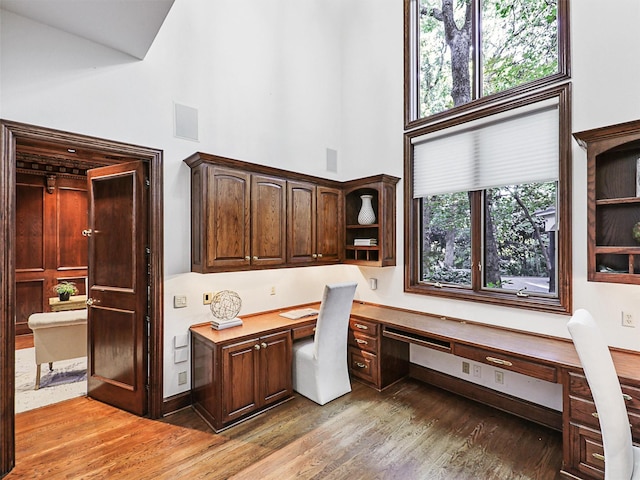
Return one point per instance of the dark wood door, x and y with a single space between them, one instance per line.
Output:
301 227
268 220
330 224
118 286
275 367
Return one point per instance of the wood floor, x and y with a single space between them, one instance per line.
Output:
410 431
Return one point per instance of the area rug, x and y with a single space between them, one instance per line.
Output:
68 379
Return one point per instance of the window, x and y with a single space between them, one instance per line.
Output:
460 53
487 152
488 215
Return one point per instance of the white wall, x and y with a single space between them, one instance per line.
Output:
278 83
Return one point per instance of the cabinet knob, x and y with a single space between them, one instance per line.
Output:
314 255
256 346
263 345
247 257
87 232
255 257
319 255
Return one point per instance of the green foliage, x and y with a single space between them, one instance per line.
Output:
65 287
519 45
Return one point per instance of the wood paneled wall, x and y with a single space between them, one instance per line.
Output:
51 212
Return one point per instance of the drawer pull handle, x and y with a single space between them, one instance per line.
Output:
361 327
361 341
499 361
598 456
263 345
256 346
627 397
595 415
361 365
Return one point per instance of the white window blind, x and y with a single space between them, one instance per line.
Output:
510 148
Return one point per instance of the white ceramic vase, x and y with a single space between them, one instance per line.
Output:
366 216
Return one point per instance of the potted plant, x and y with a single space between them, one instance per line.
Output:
65 290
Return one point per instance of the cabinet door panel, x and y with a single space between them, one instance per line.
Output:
275 367
301 215
240 376
330 224
268 220
227 218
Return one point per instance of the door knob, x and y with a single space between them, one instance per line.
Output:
87 232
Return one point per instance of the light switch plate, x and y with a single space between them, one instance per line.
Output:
181 355
179 301
180 341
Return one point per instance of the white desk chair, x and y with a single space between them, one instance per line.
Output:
320 370
622 459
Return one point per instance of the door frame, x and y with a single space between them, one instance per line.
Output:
117 152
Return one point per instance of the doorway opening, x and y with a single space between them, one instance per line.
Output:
83 152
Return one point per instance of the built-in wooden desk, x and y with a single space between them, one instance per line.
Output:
233 370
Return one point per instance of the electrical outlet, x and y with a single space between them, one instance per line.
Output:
206 298
499 377
465 367
182 378
628 320
477 371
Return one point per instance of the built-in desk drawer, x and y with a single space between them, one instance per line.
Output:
363 341
583 412
304 331
364 365
507 362
362 326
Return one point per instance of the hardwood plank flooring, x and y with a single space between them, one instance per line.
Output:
410 431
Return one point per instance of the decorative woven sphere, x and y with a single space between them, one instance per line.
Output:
225 305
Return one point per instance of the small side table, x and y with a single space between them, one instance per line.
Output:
76 302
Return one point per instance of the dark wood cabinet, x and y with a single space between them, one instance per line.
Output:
373 358
613 202
238 219
382 233
235 379
315 224
584 453
246 216
268 220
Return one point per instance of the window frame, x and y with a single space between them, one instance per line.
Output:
411 77
562 303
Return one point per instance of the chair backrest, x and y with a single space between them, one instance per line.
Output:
605 388
332 327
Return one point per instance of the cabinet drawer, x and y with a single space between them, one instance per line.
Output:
507 362
362 326
304 331
363 365
583 412
588 453
363 342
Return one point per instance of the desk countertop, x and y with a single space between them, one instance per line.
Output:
553 351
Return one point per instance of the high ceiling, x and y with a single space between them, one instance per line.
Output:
129 26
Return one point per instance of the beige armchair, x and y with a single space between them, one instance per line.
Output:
58 336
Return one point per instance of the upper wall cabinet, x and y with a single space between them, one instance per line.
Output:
613 202
315 226
246 216
370 210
